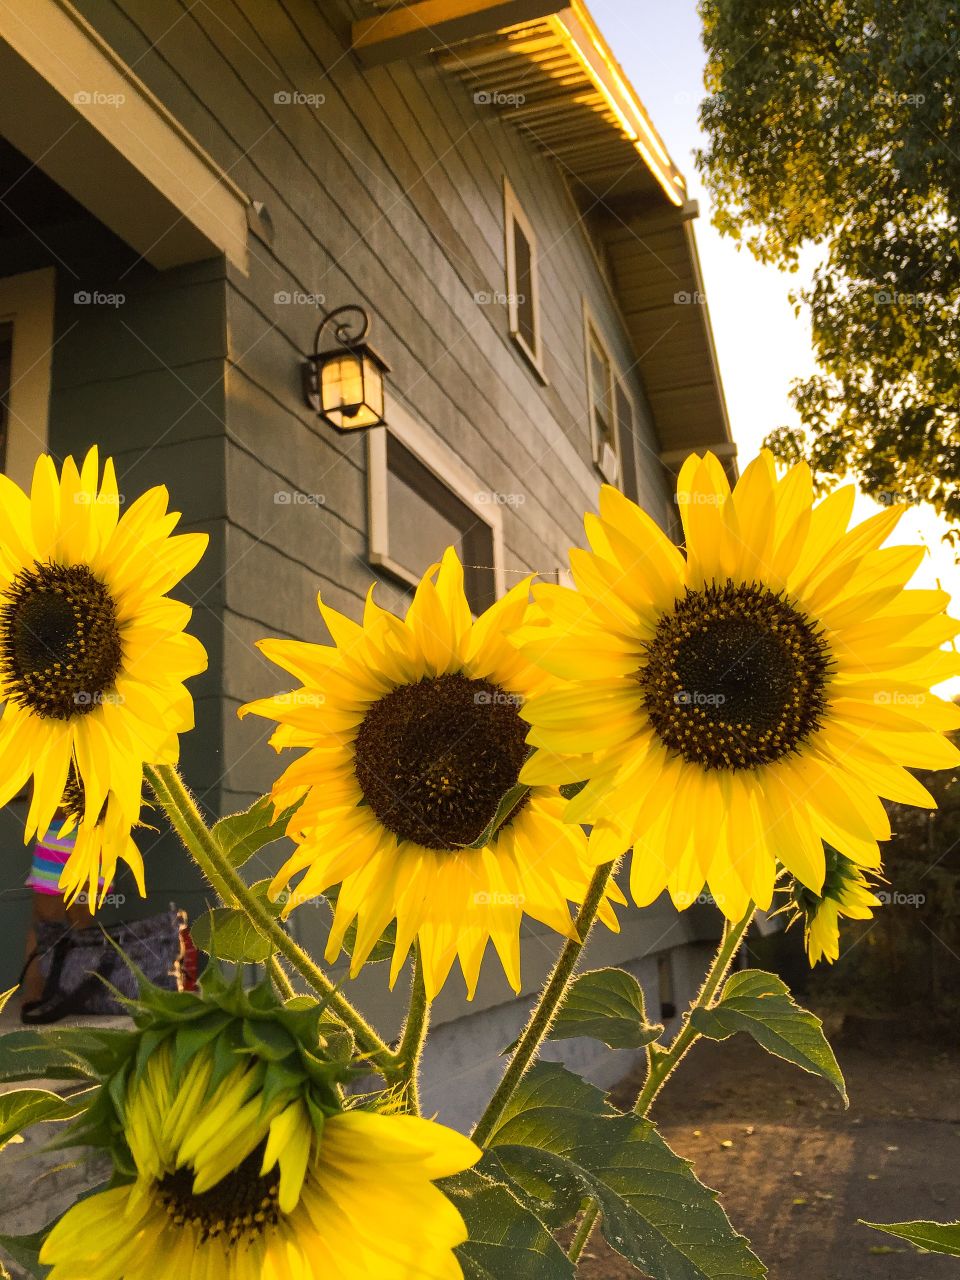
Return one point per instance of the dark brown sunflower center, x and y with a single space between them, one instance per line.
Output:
435 759
240 1207
735 677
60 646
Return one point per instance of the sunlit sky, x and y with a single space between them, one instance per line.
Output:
762 345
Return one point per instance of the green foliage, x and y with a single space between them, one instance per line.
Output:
761 1005
243 834
506 1239
838 125
606 1004
22 1108
934 1237
561 1142
230 935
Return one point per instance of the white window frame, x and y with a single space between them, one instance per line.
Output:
513 214
609 469
27 302
621 384
450 470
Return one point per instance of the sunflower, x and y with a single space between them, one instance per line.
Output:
235 1182
846 894
93 652
414 739
101 843
747 700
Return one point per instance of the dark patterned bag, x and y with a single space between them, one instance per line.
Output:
76 964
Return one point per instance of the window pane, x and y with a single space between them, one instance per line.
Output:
6 361
600 380
628 445
424 517
523 288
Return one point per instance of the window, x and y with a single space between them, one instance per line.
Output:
523 281
627 441
26 345
422 499
602 402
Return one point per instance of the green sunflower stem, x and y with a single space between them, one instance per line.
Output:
661 1064
551 999
187 821
413 1038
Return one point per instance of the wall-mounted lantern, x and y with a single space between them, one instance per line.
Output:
344 384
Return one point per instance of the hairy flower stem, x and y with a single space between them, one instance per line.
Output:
413 1038
551 999
662 1063
187 821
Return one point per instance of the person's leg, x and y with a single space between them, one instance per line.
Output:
47 907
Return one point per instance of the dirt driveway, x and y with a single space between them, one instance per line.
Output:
795 1171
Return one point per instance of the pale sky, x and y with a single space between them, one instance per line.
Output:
762 345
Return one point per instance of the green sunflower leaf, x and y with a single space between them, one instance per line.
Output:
506 1239
268 1039
70 1053
559 1134
241 835
934 1237
228 934
22 1108
607 1005
760 1004
25 1252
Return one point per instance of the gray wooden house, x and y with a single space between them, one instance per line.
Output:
185 188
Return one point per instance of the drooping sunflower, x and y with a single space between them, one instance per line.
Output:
93 652
101 843
414 738
846 894
748 700
254 1171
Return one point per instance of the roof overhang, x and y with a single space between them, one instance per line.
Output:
553 76
74 108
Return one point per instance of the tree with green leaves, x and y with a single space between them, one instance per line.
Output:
833 130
